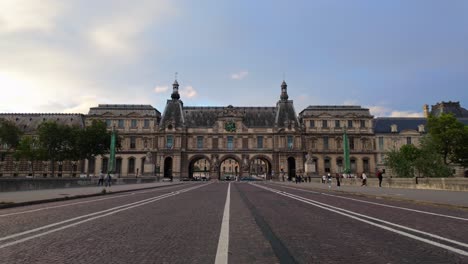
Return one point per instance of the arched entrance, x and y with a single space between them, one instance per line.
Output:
229 169
168 167
199 168
291 168
260 167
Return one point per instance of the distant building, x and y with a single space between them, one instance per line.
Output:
229 141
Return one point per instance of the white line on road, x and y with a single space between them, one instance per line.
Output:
99 213
385 205
355 216
223 243
83 202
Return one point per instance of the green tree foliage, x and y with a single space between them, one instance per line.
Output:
450 138
92 141
422 161
10 134
57 142
29 149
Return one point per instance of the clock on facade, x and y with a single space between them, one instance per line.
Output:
230 126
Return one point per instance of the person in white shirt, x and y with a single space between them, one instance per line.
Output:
364 179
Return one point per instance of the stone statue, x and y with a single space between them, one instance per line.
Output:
149 157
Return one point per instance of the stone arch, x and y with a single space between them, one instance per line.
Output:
196 158
267 160
237 169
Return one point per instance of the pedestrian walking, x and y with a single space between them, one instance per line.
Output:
108 180
338 183
324 179
364 179
329 180
101 179
380 176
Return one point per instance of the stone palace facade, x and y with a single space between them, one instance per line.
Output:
220 142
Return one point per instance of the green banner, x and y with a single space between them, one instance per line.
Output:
347 163
111 168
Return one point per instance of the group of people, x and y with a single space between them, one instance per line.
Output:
328 178
107 180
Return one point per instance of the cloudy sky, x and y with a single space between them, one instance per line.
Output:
391 56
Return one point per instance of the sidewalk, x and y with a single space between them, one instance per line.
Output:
453 198
12 199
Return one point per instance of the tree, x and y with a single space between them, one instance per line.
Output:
92 141
450 138
29 149
57 142
10 134
402 161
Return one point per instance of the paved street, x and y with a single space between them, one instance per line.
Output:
220 222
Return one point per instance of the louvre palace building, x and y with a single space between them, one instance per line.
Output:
219 142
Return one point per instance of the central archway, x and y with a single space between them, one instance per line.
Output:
199 168
229 169
260 167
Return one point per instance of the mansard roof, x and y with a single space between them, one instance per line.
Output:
201 116
335 110
382 125
29 122
449 108
124 110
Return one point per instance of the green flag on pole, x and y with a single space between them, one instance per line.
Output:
111 167
347 168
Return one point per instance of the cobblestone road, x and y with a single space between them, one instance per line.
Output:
266 223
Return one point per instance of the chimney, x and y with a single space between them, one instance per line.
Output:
426 110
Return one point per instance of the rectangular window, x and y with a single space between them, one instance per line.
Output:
408 140
290 142
214 141
311 123
337 123
325 143
381 145
132 142
324 123
260 142
108 123
351 143
363 123
200 142
245 143
121 123
230 142
146 123
169 142
350 123
133 123
2 156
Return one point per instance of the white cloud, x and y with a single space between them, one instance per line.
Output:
405 114
240 75
188 92
161 89
382 111
24 15
350 102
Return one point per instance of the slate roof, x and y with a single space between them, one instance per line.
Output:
29 123
199 116
173 113
335 110
286 114
124 110
449 107
382 125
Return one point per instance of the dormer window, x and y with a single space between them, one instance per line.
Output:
421 129
394 128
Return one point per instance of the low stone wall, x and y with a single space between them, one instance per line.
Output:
22 184
451 184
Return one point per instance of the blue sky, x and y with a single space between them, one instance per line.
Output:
390 56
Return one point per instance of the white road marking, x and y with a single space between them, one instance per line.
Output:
99 214
355 216
83 202
385 205
223 242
